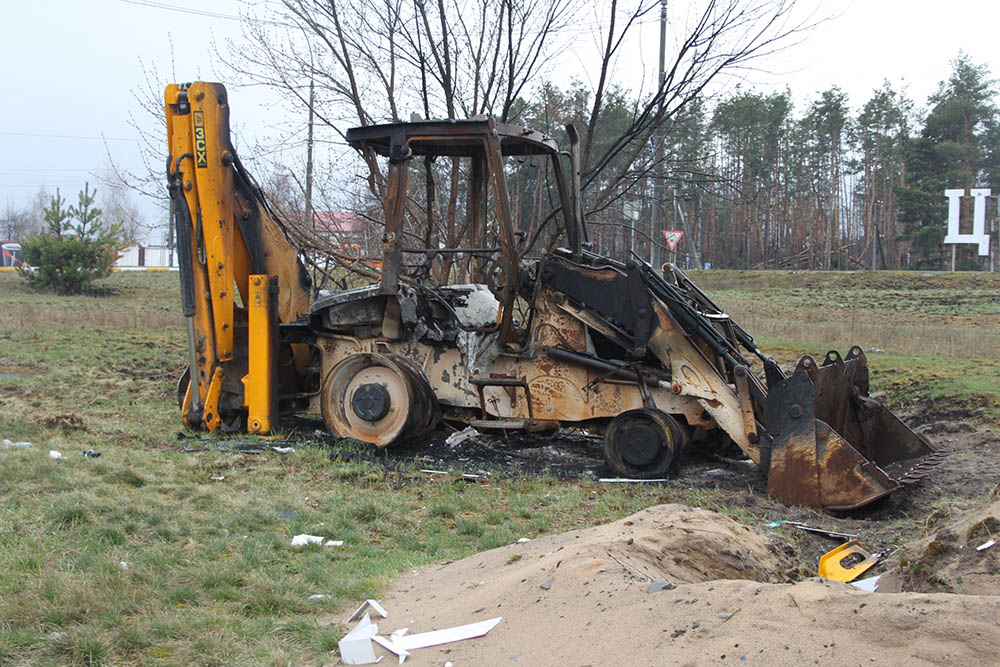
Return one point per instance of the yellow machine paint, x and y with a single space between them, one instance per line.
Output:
235 261
260 383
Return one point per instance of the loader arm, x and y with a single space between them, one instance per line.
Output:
823 441
228 244
817 434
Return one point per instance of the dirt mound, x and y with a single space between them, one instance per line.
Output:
946 558
673 543
587 598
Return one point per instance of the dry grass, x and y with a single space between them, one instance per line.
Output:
937 314
28 317
821 328
133 301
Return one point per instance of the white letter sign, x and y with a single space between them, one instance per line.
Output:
978 234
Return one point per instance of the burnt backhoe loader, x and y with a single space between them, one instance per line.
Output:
498 338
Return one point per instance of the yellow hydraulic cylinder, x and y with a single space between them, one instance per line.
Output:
260 382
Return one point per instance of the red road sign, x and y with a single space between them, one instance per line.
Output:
672 237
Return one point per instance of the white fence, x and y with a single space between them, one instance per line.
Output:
138 258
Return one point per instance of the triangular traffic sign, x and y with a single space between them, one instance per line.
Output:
672 237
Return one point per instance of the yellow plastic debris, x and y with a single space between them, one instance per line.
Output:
831 563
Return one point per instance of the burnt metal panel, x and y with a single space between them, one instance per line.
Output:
457 138
618 297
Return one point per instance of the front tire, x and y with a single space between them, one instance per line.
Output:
643 443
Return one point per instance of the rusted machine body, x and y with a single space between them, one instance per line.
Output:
507 340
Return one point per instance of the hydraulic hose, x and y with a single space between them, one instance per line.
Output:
182 223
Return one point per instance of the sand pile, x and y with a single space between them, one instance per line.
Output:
947 560
584 598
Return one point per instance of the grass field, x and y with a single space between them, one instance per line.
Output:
928 336
144 556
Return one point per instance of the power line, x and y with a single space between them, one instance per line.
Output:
64 136
183 10
199 12
42 186
31 171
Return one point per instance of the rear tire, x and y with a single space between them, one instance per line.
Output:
643 443
378 399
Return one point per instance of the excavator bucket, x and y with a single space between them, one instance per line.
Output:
834 446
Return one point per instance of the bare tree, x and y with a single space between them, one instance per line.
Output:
719 37
121 209
374 61
380 60
15 223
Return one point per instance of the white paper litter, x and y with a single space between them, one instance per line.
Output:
985 545
303 539
53 454
356 646
218 479
447 635
123 565
368 604
319 597
333 543
522 540
459 437
9 443
283 450
390 645
870 584
627 480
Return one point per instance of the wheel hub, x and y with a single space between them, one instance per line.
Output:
640 443
378 399
371 402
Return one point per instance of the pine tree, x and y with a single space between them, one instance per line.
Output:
87 215
952 151
57 217
67 262
881 133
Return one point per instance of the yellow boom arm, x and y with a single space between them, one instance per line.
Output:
227 243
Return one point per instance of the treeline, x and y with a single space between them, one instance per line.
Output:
765 185
752 179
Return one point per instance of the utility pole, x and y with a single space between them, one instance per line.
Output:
659 210
695 253
874 243
309 158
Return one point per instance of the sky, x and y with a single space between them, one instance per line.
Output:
74 72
